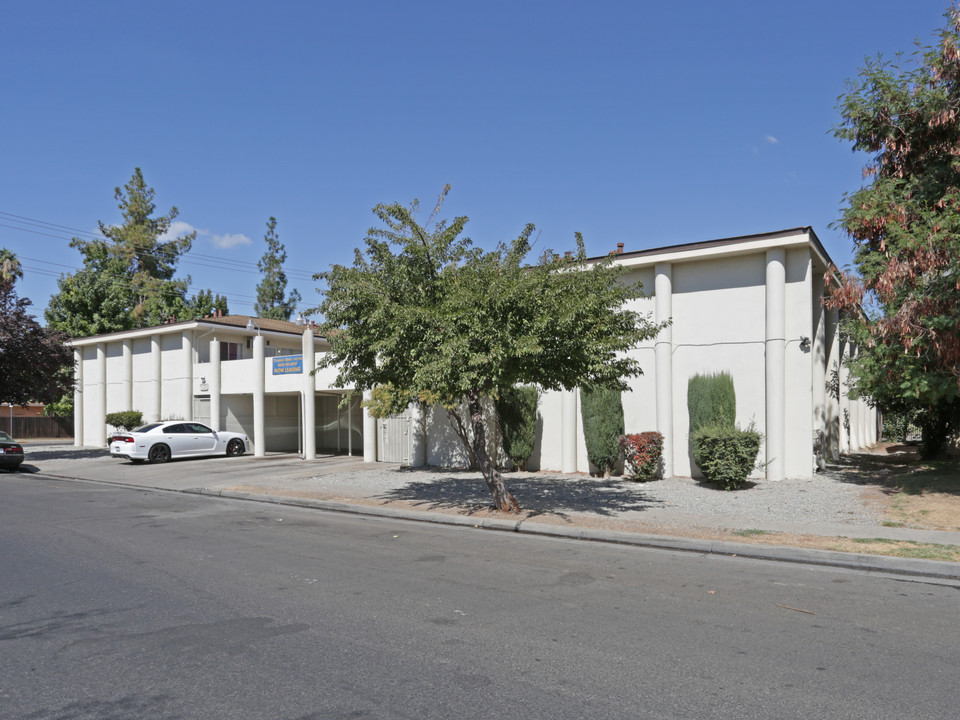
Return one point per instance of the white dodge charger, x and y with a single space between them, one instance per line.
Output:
162 441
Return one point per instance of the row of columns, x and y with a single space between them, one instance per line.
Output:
90 393
96 390
774 365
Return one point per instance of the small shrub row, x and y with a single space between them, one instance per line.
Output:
726 454
642 453
127 420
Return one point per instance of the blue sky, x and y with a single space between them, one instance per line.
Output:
636 122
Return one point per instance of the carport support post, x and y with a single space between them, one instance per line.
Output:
215 384
259 390
369 433
128 374
309 396
155 411
99 438
78 397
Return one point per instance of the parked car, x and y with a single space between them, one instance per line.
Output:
11 452
162 441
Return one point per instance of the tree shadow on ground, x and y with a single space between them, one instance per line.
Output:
466 491
898 469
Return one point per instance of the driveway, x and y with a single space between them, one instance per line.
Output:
185 474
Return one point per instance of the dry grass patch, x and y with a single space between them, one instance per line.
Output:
913 493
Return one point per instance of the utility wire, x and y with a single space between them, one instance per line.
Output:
193 257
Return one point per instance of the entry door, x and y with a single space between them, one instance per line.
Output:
395 438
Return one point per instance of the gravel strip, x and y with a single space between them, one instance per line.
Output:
825 499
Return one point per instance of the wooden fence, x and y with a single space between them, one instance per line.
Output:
29 428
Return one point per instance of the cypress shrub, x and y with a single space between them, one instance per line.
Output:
710 400
602 414
517 409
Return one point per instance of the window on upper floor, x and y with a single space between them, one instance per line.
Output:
231 351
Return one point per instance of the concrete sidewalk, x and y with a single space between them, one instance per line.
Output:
345 484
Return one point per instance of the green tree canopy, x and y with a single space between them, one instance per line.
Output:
34 362
272 298
424 316
905 222
127 278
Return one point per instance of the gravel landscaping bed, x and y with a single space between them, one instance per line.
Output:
825 499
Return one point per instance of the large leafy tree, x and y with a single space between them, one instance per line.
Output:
272 298
33 359
127 279
905 222
424 316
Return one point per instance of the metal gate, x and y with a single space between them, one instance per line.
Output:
395 438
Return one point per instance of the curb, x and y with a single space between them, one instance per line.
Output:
937 569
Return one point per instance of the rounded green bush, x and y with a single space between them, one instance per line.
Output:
726 455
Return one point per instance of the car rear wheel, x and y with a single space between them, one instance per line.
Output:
159 453
235 448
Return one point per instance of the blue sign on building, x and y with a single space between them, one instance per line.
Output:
288 364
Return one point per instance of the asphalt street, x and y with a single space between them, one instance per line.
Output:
120 603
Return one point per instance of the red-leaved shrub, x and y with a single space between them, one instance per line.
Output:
642 452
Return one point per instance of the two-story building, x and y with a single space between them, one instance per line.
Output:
749 305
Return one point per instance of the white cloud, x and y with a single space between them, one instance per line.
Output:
228 241
770 140
177 228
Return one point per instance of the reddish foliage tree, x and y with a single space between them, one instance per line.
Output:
905 223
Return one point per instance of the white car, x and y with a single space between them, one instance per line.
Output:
162 441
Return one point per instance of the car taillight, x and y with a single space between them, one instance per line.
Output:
13 449
122 438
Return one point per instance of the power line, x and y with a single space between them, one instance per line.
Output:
191 257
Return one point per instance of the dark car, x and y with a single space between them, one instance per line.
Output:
11 452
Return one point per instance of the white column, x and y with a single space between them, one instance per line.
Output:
819 358
846 414
128 374
259 392
187 349
309 396
418 426
99 435
775 363
215 384
155 411
78 397
369 433
663 285
568 431
864 419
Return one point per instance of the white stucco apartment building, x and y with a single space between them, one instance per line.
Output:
748 305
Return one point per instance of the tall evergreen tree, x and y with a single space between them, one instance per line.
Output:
127 276
272 299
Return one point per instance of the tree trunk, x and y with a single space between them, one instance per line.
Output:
504 501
